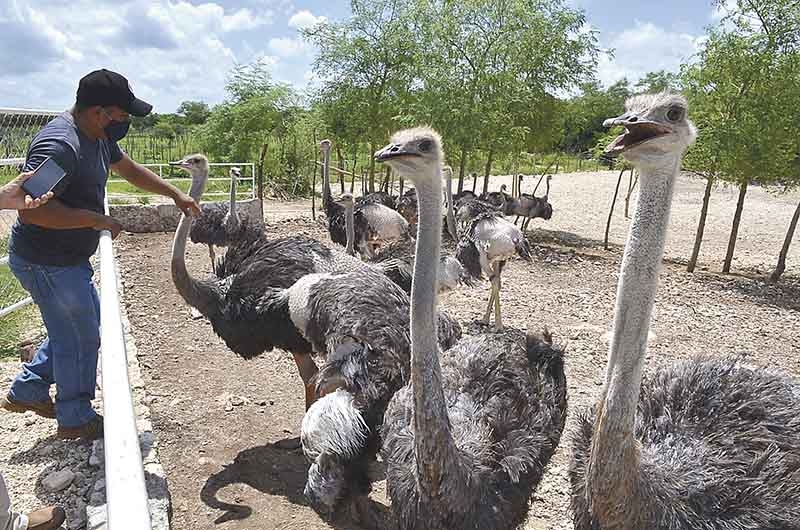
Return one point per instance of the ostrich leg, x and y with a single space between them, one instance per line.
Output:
308 369
212 255
490 305
498 321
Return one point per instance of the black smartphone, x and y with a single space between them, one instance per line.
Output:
44 178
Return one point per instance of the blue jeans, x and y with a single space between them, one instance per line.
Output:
70 308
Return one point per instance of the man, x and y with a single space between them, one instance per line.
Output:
50 249
13 197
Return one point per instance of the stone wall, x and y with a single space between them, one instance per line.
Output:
145 218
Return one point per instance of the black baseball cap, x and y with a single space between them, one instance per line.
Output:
106 88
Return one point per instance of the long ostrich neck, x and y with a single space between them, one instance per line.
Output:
433 442
349 226
451 216
233 220
326 179
614 456
195 293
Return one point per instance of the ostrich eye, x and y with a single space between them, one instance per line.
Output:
425 146
674 114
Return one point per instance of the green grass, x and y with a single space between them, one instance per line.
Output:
20 324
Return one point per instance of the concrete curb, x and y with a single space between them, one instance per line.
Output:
157 488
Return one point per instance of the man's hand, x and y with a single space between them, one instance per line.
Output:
13 197
186 204
105 222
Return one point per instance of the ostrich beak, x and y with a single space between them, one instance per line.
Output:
180 163
637 132
394 151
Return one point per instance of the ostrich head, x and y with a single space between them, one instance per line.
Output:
194 164
197 166
332 433
415 152
325 146
235 173
656 126
346 200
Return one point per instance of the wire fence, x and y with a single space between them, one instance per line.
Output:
17 128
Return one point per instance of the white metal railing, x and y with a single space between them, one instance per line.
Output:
126 492
247 167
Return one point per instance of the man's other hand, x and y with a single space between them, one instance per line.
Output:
105 222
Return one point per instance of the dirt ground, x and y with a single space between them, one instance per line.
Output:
221 420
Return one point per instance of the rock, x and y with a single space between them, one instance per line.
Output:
79 479
203 461
228 407
58 481
29 418
196 315
100 485
46 450
97 499
237 401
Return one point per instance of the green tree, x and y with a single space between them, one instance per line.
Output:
366 62
658 82
194 112
255 115
736 86
488 70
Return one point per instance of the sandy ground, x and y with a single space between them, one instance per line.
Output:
220 420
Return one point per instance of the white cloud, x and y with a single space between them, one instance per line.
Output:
305 19
171 51
289 47
645 48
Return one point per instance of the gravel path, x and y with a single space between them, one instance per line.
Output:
220 420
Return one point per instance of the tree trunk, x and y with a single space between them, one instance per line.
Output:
385 183
701 226
631 186
737 218
781 266
462 164
488 171
611 210
372 168
474 181
402 184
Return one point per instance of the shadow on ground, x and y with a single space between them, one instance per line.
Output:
273 470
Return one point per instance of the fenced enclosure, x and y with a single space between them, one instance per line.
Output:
17 127
120 191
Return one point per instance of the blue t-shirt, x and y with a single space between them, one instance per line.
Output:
86 163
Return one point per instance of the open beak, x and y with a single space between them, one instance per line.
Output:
180 163
637 132
392 151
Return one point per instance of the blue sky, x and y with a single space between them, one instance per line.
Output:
183 49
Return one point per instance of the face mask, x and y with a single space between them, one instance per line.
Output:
117 130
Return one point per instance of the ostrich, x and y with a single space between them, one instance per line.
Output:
448 193
397 259
497 199
487 243
360 323
216 225
465 442
376 223
704 443
246 299
407 207
530 207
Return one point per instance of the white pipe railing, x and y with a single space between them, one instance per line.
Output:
126 492
251 194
